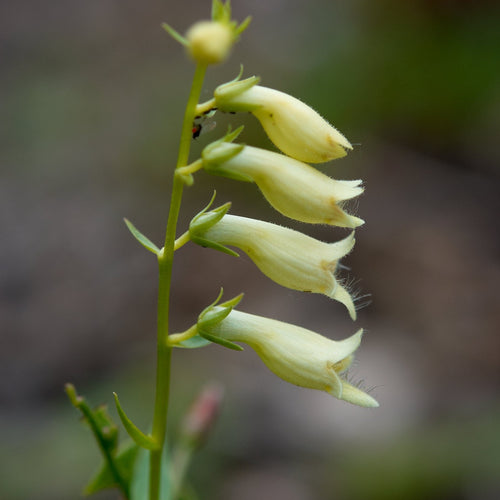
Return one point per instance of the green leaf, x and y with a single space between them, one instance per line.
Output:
143 440
143 240
104 478
108 428
194 342
139 485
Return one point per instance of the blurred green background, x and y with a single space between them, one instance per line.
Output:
91 97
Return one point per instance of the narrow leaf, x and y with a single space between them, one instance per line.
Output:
143 240
108 428
73 396
104 478
133 431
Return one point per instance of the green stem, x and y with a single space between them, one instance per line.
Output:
176 338
181 240
205 107
165 260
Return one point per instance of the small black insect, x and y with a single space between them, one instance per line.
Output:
201 124
196 130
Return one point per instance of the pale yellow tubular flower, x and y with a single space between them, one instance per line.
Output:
293 188
288 257
295 354
294 127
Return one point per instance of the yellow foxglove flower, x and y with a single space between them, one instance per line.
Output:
297 355
293 127
288 257
293 188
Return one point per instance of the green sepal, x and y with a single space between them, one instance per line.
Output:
232 303
143 240
222 342
238 76
221 12
232 135
211 244
243 26
216 154
228 173
203 221
139 484
225 93
124 461
175 35
193 342
143 440
212 315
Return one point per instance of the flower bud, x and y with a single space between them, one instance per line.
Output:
294 127
297 355
209 42
288 257
202 415
293 188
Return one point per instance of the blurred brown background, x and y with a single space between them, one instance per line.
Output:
92 95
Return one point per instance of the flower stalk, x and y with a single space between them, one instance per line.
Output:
165 263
